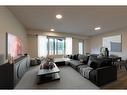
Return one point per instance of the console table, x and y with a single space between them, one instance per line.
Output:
10 74
45 75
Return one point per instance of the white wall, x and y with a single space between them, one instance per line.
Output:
8 23
87 46
46 33
33 46
75 46
96 42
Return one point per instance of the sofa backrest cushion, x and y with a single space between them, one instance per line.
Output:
71 57
99 62
93 65
106 62
75 57
90 61
84 58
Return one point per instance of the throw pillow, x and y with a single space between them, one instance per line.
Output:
77 56
98 62
93 65
86 59
70 56
74 57
89 62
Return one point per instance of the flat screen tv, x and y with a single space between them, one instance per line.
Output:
14 46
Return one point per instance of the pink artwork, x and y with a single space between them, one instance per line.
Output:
14 46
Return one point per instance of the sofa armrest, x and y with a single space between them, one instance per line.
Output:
105 75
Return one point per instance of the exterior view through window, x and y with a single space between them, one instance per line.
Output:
48 45
56 46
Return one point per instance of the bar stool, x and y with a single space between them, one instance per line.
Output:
122 65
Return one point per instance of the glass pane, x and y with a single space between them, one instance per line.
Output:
51 46
80 48
56 46
60 46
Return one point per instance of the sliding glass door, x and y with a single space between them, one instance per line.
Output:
51 46
56 46
61 46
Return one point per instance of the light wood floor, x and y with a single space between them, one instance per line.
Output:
120 83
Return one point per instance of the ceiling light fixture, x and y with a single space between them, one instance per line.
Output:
52 30
97 28
59 16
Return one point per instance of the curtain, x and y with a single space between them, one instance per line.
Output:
68 45
42 46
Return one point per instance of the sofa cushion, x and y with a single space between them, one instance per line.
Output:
75 57
80 56
84 70
75 63
103 62
106 62
93 76
84 58
98 62
90 60
71 56
80 67
93 65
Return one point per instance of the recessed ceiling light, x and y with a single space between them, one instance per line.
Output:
97 28
58 16
52 30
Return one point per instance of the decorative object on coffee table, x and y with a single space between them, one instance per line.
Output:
48 63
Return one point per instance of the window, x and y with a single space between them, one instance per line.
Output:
81 47
56 46
60 46
51 46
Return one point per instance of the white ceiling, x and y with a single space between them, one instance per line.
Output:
77 20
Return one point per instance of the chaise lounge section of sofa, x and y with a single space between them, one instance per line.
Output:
100 71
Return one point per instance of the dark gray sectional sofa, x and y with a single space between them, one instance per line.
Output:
100 71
